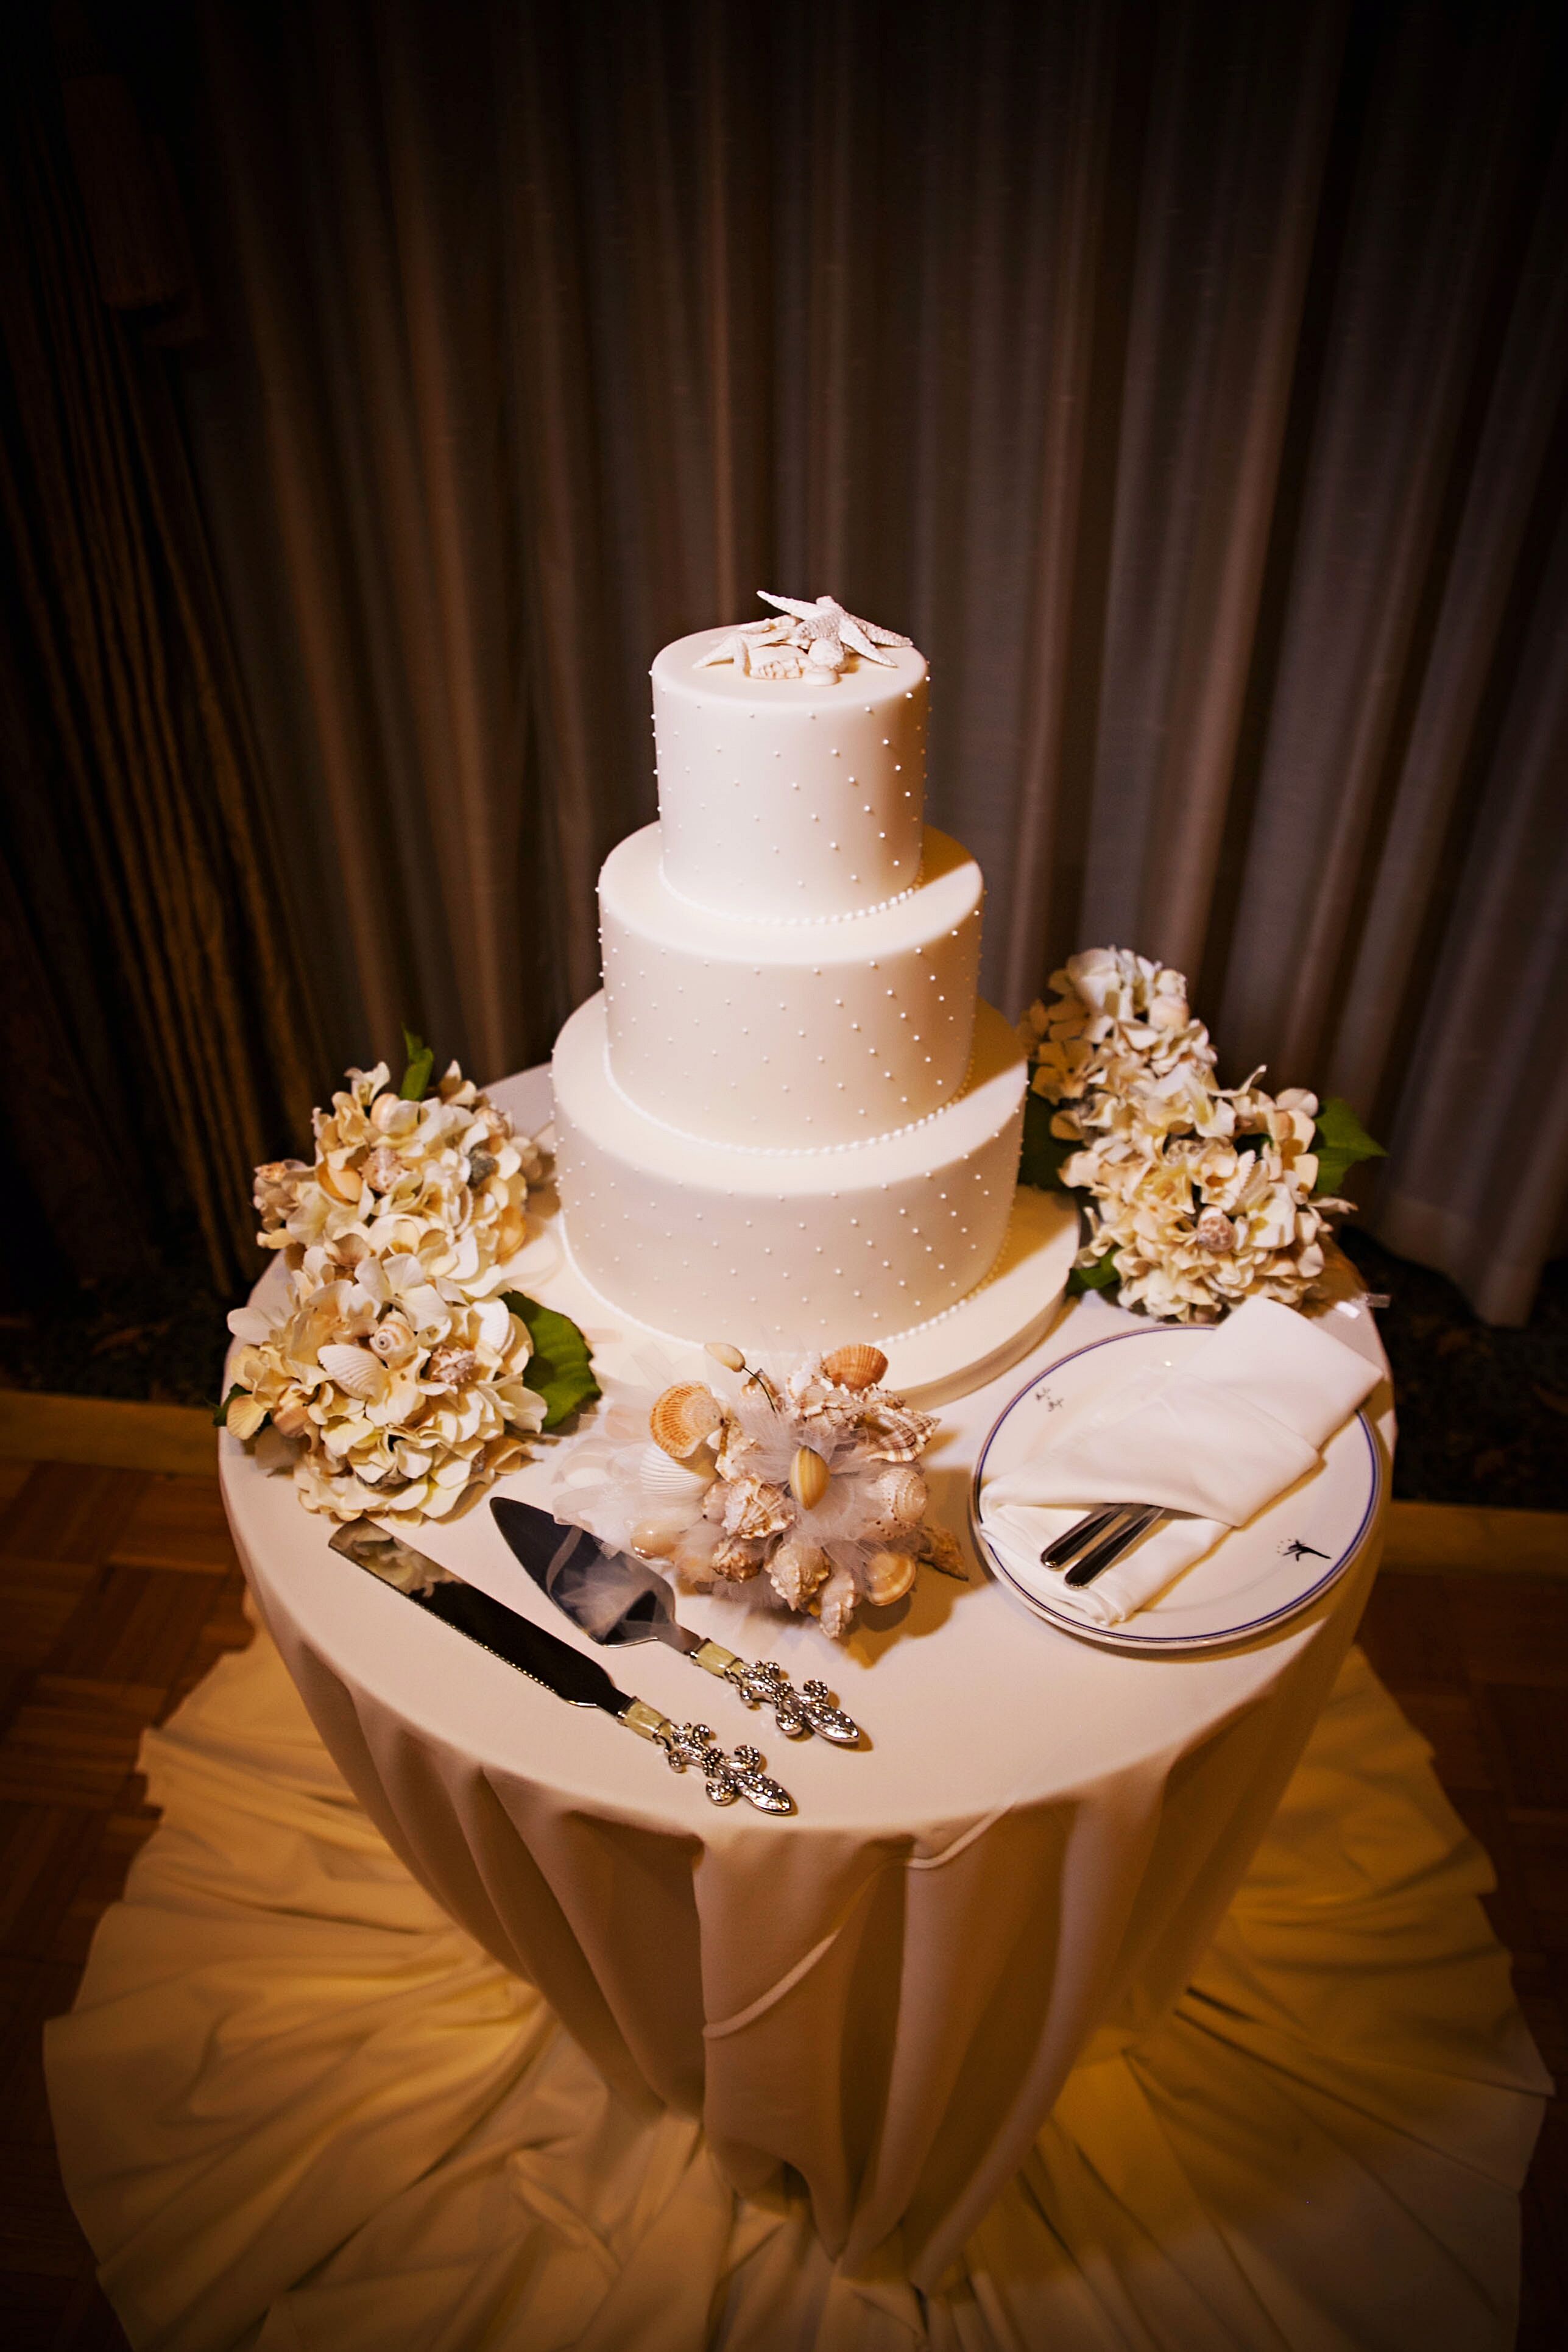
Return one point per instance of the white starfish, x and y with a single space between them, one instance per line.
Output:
811 645
827 621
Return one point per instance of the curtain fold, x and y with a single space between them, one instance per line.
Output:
138 847
1189 379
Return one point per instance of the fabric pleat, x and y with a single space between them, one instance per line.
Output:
297 2109
150 927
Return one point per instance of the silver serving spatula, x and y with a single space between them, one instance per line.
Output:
545 1658
616 1600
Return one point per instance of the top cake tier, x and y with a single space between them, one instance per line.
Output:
784 799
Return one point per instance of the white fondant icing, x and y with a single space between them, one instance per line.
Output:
702 1240
780 1036
780 801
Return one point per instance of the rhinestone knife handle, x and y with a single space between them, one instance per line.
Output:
797 1712
725 1777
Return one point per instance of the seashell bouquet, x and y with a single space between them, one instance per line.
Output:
802 1481
1199 1195
393 1375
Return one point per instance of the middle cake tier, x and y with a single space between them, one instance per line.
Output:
782 1034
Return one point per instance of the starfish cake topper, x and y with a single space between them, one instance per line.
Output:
810 641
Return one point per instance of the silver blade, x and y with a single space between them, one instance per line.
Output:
613 1599
544 1657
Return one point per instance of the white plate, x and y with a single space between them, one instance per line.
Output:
1255 1575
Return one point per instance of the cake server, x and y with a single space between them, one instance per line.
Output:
616 1600
546 1659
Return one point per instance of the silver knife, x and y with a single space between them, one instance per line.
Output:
617 1599
546 1659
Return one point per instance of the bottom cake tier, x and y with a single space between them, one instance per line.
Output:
859 1242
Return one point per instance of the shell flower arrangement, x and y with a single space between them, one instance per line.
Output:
799 1487
1199 1195
396 1374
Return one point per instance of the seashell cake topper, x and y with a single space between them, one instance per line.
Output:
809 642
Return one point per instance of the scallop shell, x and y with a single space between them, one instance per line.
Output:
796 1567
735 1559
754 1508
682 1417
899 1496
354 1370
892 1431
664 1480
887 1575
856 1367
808 1479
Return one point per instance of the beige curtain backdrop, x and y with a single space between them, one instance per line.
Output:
1188 380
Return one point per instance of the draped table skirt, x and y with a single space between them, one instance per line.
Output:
440 2013
299 2109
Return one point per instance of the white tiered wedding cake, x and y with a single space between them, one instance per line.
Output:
787 1117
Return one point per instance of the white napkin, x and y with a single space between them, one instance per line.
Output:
1216 1441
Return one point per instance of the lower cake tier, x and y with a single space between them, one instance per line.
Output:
711 1242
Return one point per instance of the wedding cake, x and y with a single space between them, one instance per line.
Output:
787 1116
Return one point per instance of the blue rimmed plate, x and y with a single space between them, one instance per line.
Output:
1255 1577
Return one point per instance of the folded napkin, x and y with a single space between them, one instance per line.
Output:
1214 1441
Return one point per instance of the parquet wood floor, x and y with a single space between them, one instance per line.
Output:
118 1587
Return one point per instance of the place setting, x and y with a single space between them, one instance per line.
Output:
1174 1490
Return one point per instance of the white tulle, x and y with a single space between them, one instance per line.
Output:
299 2110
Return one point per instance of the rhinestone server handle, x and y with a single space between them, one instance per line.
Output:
725 1777
797 1712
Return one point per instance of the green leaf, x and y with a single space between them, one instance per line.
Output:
559 1369
1044 1153
221 1415
1341 1142
421 1062
1101 1276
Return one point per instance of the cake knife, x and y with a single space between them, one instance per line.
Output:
616 1600
546 1659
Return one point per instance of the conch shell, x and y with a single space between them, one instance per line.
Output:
887 1575
808 1477
893 1432
736 1559
943 1552
835 1604
796 1567
857 1366
898 1497
682 1417
756 1509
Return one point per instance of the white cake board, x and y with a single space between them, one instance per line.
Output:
972 1343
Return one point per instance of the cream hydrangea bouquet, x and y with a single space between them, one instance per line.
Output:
1198 1195
395 1373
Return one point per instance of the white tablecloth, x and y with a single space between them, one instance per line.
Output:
885 1994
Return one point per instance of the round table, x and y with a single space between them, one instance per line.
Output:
887 1991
